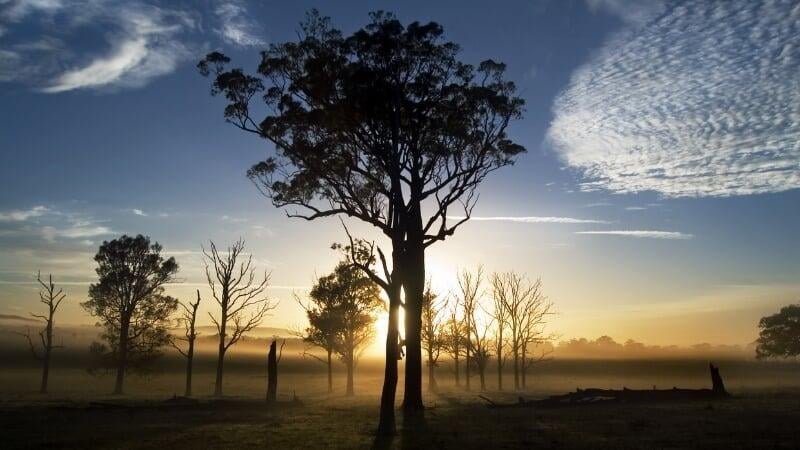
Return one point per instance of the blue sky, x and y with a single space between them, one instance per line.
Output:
658 199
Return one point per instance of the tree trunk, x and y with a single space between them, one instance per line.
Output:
272 373
386 425
122 357
516 367
431 379
499 373
466 368
414 287
330 373
523 367
220 359
349 390
483 378
455 361
47 350
189 358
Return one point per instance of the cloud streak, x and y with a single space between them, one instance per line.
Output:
23 215
531 219
701 101
641 234
235 26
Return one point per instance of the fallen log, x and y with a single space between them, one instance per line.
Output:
595 396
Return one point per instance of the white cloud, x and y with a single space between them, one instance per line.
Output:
641 234
634 12
23 215
235 26
530 219
139 212
702 101
19 9
75 231
145 49
635 208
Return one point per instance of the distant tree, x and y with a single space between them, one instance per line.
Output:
52 299
469 285
241 297
377 126
533 348
480 348
433 332
129 302
500 316
455 337
779 334
187 321
324 324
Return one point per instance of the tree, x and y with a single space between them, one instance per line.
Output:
187 321
433 332
378 126
779 334
273 358
469 285
324 323
52 299
500 316
129 302
241 297
537 311
455 339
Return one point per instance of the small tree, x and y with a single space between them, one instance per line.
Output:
500 316
324 324
534 336
52 299
241 297
187 321
470 289
455 339
129 302
779 334
433 332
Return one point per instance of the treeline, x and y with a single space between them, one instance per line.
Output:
605 347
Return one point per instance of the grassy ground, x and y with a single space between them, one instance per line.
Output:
453 420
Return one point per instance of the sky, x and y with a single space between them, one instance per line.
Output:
659 198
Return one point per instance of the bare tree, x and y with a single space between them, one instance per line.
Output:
534 336
322 331
500 316
433 339
52 299
469 285
455 337
480 347
240 295
188 320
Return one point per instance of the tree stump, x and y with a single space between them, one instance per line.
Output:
272 373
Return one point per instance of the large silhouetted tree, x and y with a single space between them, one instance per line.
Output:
386 126
51 298
129 301
779 334
433 332
241 296
188 320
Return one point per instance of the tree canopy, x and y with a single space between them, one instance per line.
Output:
780 334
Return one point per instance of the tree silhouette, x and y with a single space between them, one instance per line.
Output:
324 323
187 321
129 302
52 299
455 337
273 358
779 334
469 285
433 332
500 315
241 297
381 126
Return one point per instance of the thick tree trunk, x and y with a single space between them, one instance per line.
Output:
386 425
220 359
349 391
122 357
499 374
330 373
189 359
414 287
272 373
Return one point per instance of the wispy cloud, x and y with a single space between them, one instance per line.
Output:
139 212
23 215
76 231
634 12
235 25
531 219
648 234
635 208
701 101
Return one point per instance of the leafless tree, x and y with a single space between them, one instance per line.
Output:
52 299
480 343
469 285
187 320
433 332
534 335
455 337
240 295
500 316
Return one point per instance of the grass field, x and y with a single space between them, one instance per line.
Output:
763 413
